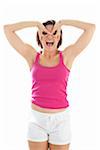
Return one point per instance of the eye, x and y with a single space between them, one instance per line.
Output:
55 32
44 33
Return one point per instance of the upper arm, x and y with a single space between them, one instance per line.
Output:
24 49
76 48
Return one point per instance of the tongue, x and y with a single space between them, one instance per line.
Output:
49 44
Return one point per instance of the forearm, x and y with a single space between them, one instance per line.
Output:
21 25
78 24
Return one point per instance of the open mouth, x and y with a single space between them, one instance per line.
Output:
49 43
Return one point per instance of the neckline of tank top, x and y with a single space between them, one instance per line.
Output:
52 67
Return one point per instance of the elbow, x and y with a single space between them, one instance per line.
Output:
7 27
93 26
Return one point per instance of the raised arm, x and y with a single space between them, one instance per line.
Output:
86 36
74 49
23 48
26 50
83 40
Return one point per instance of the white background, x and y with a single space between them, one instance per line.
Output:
15 81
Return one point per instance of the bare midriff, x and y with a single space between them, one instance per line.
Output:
46 110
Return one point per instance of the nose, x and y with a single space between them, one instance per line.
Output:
49 36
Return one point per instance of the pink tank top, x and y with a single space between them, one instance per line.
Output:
49 84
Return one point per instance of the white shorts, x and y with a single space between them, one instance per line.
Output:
51 127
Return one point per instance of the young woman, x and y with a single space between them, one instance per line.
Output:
50 69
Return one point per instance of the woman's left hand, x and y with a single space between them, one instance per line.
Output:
57 28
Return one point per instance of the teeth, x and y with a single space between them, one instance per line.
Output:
49 43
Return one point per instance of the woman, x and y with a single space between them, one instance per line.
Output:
50 69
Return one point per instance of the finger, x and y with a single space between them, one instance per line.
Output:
45 29
59 33
39 33
54 29
42 28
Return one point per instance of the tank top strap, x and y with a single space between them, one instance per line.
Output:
37 57
61 57
38 53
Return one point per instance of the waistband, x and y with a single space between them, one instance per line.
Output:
51 114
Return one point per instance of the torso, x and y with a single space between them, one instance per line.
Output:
43 62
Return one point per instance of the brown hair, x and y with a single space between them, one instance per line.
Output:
49 22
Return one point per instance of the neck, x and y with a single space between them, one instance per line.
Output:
50 54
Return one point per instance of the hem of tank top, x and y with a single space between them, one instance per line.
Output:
50 107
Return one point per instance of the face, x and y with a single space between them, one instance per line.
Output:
50 41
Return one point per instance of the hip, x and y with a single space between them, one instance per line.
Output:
46 110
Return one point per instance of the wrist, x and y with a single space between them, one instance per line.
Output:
38 24
35 23
66 22
61 22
